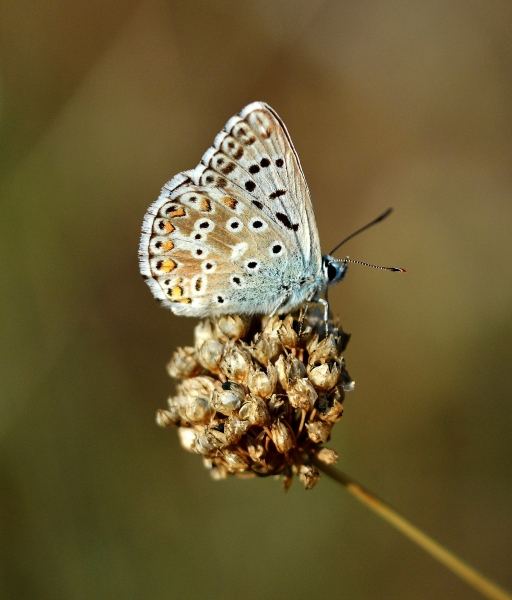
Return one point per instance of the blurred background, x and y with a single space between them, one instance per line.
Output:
391 103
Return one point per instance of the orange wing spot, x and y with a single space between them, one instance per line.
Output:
179 212
168 265
205 205
184 300
176 292
229 202
169 227
166 246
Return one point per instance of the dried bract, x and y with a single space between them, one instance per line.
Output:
260 397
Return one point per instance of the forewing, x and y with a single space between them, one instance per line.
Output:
254 155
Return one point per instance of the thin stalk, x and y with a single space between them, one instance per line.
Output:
471 576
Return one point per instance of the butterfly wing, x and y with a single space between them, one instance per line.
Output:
237 233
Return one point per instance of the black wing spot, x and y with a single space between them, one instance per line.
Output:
279 162
264 162
198 236
257 224
158 245
236 280
159 264
250 186
171 208
276 249
208 266
258 204
254 169
210 179
220 299
161 225
276 194
286 222
199 284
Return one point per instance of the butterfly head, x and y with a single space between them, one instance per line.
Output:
334 270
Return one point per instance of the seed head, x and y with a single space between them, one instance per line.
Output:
259 397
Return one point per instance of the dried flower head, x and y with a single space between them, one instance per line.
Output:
260 396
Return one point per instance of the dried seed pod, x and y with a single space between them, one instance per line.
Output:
272 327
234 460
165 418
229 398
217 471
327 456
287 334
236 363
281 436
325 376
262 384
277 407
264 349
233 327
203 331
183 363
302 394
255 411
309 476
255 447
198 410
234 429
326 350
187 438
209 355
197 387
319 431
289 367
287 476
329 406
205 443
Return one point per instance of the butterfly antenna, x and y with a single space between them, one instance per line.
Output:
358 262
374 222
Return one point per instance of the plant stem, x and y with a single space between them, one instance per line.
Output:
471 576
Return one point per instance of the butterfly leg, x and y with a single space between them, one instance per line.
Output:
325 304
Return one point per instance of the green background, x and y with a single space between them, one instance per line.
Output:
393 103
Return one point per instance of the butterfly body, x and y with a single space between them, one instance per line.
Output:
237 234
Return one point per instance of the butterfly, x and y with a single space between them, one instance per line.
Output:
237 234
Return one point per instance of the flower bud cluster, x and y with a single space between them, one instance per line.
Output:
259 396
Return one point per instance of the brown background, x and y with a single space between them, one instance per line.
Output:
393 103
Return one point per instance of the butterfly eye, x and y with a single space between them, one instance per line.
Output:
257 225
234 224
276 249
